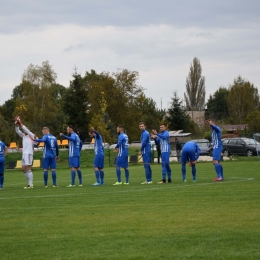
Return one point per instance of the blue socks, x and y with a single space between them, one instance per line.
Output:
118 174
183 171
79 176
45 177
221 170
218 170
1 181
73 175
53 173
97 173
126 175
102 175
193 170
169 172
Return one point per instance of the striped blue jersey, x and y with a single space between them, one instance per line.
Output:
98 144
122 145
75 144
51 148
192 146
145 142
216 136
2 149
164 139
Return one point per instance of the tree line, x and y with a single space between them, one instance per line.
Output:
105 100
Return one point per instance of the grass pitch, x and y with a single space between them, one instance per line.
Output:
202 220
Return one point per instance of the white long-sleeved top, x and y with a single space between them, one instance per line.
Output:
27 137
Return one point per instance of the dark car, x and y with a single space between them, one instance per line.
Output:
204 144
240 146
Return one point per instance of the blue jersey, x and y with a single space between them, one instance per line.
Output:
216 136
51 148
145 142
74 144
122 145
193 148
2 149
98 144
164 139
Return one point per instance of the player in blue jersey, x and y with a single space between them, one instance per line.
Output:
50 155
190 154
3 152
99 157
217 149
163 139
145 151
122 156
75 146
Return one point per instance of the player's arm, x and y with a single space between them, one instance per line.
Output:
71 138
43 139
164 135
17 130
216 128
5 150
145 140
27 131
97 134
119 142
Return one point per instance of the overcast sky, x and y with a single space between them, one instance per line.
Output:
159 39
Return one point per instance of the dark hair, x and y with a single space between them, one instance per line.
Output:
122 127
142 123
72 127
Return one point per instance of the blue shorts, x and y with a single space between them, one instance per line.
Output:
216 155
99 160
122 161
2 165
166 157
74 162
146 157
187 155
49 162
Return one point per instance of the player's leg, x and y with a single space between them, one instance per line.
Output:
2 163
78 170
119 163
193 171
147 168
52 163
216 159
125 166
221 170
97 175
24 168
97 163
184 160
167 165
101 170
27 163
164 170
73 162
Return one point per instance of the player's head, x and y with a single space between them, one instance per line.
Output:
91 133
120 129
162 127
70 129
45 130
142 126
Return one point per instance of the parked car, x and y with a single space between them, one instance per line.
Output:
205 146
240 146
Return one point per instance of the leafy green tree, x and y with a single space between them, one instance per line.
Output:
176 116
243 98
253 121
195 87
217 107
76 105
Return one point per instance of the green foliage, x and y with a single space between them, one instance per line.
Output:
202 220
253 121
195 87
176 115
242 99
217 107
75 104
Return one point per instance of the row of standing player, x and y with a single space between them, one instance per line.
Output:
190 154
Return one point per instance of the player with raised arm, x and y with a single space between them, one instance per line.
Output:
217 149
27 157
50 155
190 153
162 138
3 152
75 146
145 151
122 156
99 157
